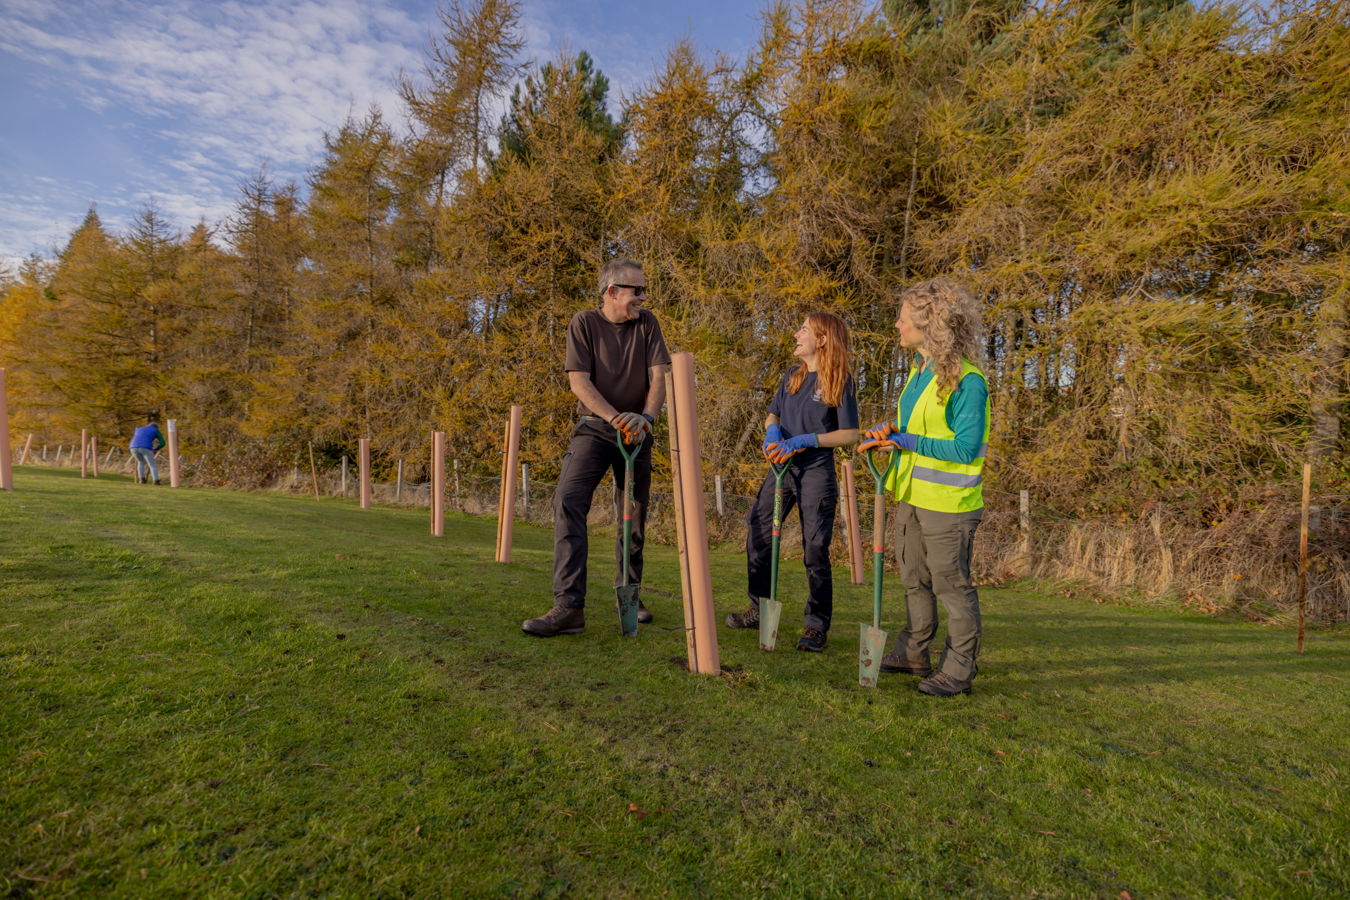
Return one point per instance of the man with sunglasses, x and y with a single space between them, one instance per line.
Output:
616 365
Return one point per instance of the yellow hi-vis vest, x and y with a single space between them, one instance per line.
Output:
936 484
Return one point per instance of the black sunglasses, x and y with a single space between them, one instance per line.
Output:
639 290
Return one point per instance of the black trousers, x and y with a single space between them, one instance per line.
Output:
815 493
593 452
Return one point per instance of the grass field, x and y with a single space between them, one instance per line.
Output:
216 694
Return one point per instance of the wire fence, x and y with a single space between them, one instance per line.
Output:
1246 563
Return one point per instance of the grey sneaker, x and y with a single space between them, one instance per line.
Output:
893 662
943 685
558 620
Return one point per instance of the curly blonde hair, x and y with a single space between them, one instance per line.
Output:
949 317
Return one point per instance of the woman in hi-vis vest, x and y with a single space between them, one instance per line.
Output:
942 428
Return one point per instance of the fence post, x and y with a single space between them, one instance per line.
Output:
6 473
398 493
84 452
525 489
173 453
363 446
459 507
344 476
93 453
717 486
27 445
44 452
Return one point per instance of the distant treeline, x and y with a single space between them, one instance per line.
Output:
1151 200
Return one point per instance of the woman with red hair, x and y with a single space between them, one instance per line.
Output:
814 411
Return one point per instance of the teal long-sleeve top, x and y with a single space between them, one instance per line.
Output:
965 417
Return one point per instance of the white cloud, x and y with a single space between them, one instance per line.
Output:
210 90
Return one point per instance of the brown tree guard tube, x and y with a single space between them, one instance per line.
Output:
313 470
84 451
28 445
173 453
438 484
501 488
681 540
855 550
6 473
509 483
363 449
93 453
1303 551
695 513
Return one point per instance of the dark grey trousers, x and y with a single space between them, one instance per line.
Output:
933 551
592 454
815 493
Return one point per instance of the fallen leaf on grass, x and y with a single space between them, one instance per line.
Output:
1124 895
1000 753
637 811
340 556
417 832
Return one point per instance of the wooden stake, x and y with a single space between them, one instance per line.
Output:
1024 526
27 446
501 489
93 453
1303 552
717 485
855 550
525 490
84 452
364 451
507 522
438 484
695 513
313 470
398 493
6 472
173 453
681 536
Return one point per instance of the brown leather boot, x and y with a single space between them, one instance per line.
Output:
558 620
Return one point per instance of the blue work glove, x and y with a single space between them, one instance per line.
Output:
772 435
785 450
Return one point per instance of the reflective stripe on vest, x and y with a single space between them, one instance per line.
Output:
951 479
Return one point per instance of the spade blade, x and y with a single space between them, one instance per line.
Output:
628 609
871 648
770 611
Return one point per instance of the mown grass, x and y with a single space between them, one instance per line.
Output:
215 694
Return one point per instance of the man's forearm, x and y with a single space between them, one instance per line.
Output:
590 397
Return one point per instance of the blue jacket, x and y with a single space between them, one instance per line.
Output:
148 436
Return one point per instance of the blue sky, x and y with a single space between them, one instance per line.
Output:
124 102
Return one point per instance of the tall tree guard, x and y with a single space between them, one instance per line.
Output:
687 441
506 504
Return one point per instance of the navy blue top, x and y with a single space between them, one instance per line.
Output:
146 436
805 412
964 412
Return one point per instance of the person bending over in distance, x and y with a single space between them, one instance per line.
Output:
144 442
942 427
616 365
814 411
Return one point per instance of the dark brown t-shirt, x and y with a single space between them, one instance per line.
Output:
616 357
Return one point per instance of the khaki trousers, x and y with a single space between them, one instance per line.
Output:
933 552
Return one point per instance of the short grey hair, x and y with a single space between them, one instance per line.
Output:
615 269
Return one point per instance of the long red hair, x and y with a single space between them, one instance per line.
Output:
832 365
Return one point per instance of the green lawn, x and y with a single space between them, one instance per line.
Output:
216 694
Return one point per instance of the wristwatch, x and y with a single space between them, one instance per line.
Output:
650 419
